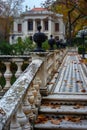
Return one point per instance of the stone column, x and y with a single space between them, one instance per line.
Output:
42 25
50 26
25 27
34 26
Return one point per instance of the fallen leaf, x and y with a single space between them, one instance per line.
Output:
50 83
77 106
2 111
73 119
67 118
41 119
55 106
56 122
79 81
83 90
65 81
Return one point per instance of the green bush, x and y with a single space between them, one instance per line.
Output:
45 45
81 49
20 48
5 48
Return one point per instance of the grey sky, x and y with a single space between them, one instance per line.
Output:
32 3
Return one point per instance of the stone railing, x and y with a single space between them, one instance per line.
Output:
19 106
6 72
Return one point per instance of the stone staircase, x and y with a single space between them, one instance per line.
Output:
62 111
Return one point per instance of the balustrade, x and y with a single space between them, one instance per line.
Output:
7 72
19 105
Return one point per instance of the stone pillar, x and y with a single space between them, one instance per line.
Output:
25 27
42 25
42 74
50 27
34 26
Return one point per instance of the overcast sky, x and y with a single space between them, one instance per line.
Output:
32 3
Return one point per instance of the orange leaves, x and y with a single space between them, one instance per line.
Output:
73 119
41 119
53 106
84 61
56 122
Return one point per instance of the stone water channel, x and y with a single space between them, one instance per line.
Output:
71 78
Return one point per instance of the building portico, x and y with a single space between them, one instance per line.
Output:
26 24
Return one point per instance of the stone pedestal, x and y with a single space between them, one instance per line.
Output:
42 74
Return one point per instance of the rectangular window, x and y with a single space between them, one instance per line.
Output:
46 25
57 27
30 25
19 28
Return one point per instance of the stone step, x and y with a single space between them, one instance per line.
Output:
59 123
77 109
65 98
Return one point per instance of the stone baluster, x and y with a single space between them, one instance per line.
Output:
31 100
27 107
14 125
19 63
22 119
7 75
38 96
34 91
32 115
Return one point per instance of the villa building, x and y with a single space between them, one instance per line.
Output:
26 24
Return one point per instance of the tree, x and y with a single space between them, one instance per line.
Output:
8 9
73 12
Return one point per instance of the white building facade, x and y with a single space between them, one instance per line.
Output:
26 24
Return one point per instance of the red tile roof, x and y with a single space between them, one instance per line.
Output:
38 9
